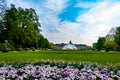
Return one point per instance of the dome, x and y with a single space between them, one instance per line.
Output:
69 46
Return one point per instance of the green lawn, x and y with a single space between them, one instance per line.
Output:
72 56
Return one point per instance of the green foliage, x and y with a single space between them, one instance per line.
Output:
111 46
94 46
43 42
98 78
21 27
5 47
100 43
52 46
1 46
19 48
88 47
117 36
32 48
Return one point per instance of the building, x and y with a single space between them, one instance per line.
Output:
111 34
80 46
69 46
60 46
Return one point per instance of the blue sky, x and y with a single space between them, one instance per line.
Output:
81 21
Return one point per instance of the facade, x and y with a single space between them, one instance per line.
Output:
69 46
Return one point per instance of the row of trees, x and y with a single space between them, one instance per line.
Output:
103 44
21 29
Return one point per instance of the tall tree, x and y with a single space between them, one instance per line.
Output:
21 26
117 36
100 43
43 42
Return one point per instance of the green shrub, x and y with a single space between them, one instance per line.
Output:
26 49
32 48
111 46
4 50
1 46
19 48
5 47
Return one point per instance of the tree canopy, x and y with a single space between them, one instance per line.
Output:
111 46
117 36
21 28
100 43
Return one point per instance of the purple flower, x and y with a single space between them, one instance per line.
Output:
65 74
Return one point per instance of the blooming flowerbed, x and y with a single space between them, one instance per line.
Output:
58 72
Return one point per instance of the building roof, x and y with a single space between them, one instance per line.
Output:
70 42
111 33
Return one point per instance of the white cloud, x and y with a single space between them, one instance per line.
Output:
85 4
99 20
19 3
49 11
67 31
54 5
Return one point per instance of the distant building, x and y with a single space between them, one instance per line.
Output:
60 46
111 34
80 46
70 46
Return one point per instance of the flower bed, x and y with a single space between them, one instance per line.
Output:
58 72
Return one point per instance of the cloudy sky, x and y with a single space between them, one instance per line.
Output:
81 21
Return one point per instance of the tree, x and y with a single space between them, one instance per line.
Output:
88 47
52 45
111 46
43 42
100 43
94 46
20 27
117 36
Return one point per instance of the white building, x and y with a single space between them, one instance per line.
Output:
69 46
111 34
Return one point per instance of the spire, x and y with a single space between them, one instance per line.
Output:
70 42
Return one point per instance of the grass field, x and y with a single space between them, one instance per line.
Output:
71 56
